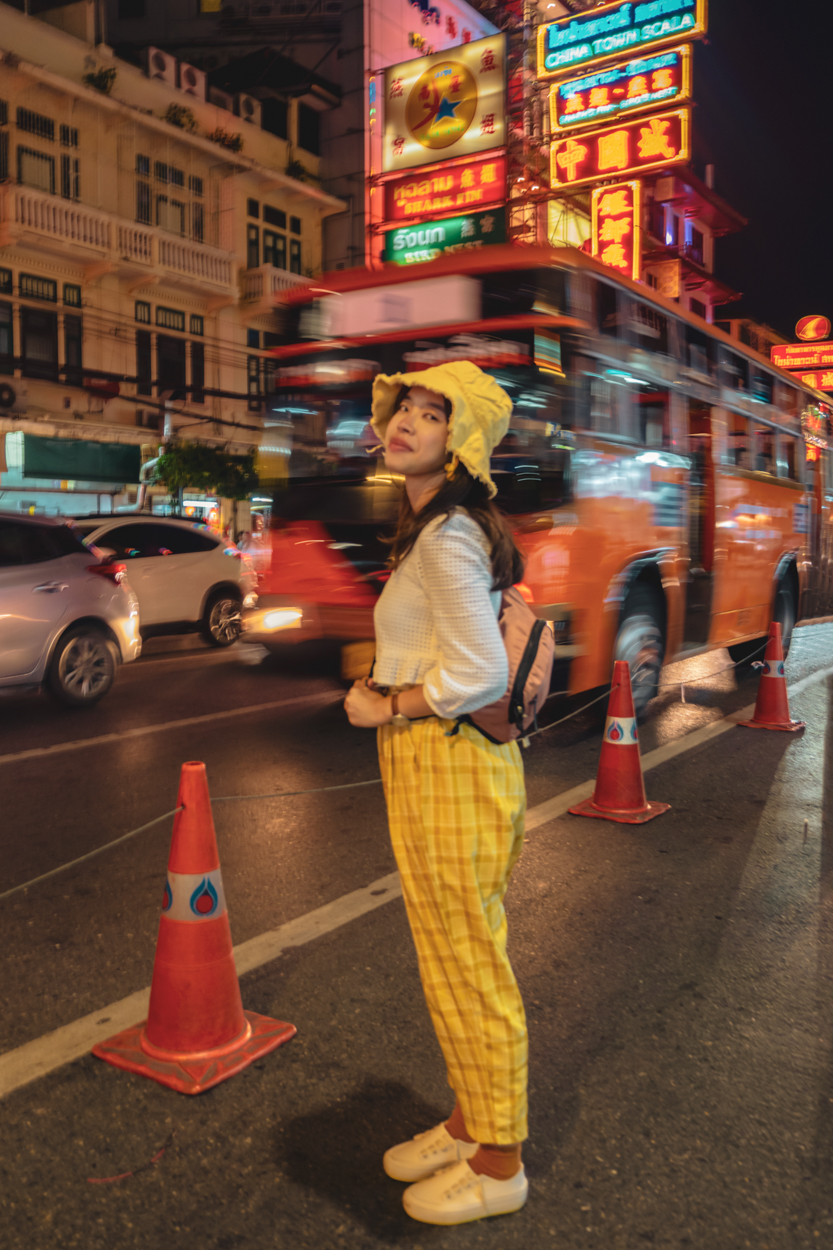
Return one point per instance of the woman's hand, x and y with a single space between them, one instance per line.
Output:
366 708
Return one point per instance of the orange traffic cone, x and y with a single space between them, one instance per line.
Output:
772 709
197 1033
620 790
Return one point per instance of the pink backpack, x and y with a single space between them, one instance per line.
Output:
530 649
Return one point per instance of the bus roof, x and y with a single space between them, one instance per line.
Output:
501 257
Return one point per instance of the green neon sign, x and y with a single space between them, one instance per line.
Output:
412 245
619 29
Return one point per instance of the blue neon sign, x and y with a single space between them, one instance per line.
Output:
614 29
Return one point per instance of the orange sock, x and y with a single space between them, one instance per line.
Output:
456 1125
499 1162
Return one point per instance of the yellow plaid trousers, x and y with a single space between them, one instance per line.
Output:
456 809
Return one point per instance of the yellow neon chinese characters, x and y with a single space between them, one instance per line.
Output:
653 140
613 150
613 203
637 86
570 157
615 255
599 97
614 229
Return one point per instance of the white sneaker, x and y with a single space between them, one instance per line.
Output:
421 1156
457 1195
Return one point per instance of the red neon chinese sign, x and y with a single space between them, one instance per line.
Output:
472 185
634 147
821 381
622 90
617 227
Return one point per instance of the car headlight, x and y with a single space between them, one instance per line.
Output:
282 618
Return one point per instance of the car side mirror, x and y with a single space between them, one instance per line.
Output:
106 553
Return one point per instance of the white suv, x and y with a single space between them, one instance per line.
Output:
185 577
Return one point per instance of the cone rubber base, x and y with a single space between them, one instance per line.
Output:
589 808
791 727
197 1074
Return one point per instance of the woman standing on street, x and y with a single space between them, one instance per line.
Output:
456 800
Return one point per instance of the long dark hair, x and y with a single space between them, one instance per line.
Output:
461 490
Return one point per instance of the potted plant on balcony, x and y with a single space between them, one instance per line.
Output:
234 142
101 79
182 117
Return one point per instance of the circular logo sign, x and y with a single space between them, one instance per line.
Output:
442 105
811 328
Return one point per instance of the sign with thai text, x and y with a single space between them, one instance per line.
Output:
803 355
614 30
446 105
623 89
810 329
412 245
617 227
446 190
634 147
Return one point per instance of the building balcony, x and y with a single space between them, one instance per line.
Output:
677 269
261 289
104 243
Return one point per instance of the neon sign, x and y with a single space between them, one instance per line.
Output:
822 381
626 88
446 190
412 245
632 148
814 429
803 355
810 329
613 29
617 227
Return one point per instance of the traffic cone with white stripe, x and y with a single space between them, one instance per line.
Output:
772 709
197 1033
620 789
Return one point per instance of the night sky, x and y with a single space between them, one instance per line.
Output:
763 86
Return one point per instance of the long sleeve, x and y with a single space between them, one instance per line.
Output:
469 668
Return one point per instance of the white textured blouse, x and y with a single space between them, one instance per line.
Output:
437 620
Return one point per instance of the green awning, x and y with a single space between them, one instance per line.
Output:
80 460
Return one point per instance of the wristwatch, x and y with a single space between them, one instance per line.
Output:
399 718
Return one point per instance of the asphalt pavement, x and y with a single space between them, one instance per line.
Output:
678 976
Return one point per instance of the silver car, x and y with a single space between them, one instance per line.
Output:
67 618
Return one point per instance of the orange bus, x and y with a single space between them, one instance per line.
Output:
671 488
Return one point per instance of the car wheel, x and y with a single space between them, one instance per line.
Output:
222 621
641 642
83 667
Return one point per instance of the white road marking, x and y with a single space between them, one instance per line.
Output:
142 731
43 1055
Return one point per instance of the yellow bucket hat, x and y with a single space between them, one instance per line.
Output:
480 411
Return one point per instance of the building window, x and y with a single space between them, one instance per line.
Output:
294 255
4 113
253 380
6 281
131 10
197 324
252 247
73 339
143 202
253 208
308 129
34 169
33 287
274 249
36 124
253 339
142 311
198 218
69 137
72 295
195 184
70 177
170 319
698 308
274 117
6 339
168 174
274 216
144 372
4 155
295 225
170 215
198 373
143 165
170 366
39 344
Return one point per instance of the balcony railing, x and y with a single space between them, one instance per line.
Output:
265 284
63 224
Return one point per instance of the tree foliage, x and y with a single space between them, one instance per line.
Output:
197 467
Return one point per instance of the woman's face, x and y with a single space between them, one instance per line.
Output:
416 435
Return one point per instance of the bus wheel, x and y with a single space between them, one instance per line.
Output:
641 642
783 611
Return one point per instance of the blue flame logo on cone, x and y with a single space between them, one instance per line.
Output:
167 897
615 733
634 734
204 899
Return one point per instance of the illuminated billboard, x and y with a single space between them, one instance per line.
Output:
621 90
414 244
469 185
614 30
617 227
810 329
803 355
821 381
632 148
447 105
